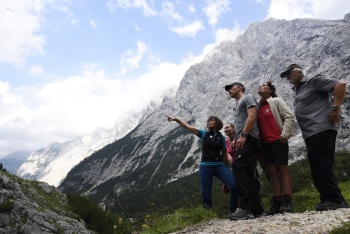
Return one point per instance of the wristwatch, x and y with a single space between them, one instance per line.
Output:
243 134
334 107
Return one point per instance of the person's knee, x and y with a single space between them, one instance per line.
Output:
272 169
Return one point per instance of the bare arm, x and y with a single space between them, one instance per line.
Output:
249 124
339 95
183 124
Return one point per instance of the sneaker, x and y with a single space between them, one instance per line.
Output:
326 205
275 206
225 189
260 215
240 214
286 205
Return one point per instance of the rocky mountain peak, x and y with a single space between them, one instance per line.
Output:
157 152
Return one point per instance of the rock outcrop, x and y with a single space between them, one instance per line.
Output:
35 207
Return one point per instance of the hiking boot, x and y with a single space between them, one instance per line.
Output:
260 215
275 207
343 205
326 205
286 205
240 214
225 189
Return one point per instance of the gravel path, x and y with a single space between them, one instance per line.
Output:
296 223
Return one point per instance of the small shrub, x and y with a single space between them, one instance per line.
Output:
6 206
95 217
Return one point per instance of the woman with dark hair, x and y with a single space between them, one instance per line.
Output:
214 160
275 121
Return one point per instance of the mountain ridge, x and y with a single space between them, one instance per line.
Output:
157 152
52 163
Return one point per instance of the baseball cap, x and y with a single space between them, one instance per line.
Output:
227 87
289 68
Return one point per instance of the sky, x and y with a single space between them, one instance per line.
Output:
71 66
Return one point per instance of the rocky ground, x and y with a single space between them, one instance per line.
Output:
296 223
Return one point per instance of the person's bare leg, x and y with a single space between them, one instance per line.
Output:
285 179
275 180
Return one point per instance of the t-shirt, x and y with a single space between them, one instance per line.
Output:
312 105
229 150
268 128
241 115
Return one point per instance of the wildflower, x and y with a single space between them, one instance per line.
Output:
147 216
120 220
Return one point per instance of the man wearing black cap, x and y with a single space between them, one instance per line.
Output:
317 118
245 113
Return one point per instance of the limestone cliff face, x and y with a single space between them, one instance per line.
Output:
157 152
52 163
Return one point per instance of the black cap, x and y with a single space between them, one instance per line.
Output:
289 68
227 87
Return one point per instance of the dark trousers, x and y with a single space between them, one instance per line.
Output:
321 150
247 185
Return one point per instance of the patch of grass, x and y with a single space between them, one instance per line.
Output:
344 229
6 206
181 218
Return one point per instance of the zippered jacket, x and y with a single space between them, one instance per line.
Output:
283 115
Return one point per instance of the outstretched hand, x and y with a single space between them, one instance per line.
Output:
170 118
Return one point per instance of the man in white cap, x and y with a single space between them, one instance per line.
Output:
317 117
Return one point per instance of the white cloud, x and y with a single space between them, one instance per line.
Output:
131 58
191 8
20 25
168 11
94 23
189 30
74 106
147 11
322 9
137 27
36 71
69 14
214 9
222 34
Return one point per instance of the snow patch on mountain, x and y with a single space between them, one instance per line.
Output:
52 163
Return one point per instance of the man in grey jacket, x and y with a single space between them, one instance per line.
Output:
317 117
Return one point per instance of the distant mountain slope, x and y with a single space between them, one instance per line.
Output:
52 163
157 152
14 160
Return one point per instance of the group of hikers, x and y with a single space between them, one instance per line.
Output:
260 133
